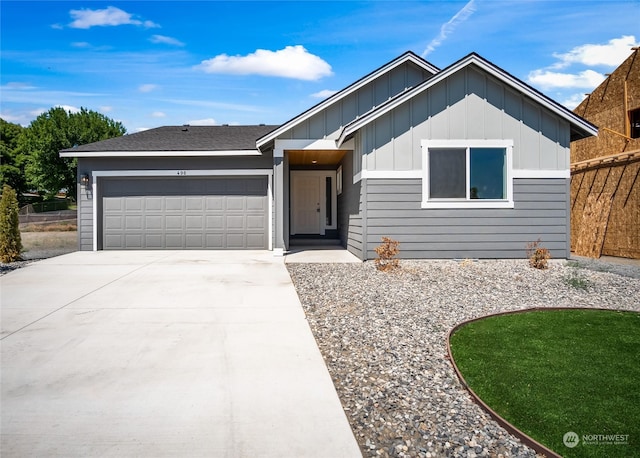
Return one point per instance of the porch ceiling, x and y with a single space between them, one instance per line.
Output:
315 157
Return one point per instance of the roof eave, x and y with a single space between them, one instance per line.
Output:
219 153
578 124
407 56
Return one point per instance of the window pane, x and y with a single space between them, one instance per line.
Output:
447 173
487 176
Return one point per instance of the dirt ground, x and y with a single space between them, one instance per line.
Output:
40 245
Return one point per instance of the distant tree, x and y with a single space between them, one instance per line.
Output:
59 129
10 241
12 160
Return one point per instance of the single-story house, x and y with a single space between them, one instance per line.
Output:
463 162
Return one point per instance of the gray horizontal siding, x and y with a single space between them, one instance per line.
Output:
394 210
350 210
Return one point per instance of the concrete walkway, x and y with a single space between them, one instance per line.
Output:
319 254
155 354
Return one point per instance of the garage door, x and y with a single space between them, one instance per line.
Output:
184 213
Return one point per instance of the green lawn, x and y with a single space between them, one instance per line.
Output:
554 371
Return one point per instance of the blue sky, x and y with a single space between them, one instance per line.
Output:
155 63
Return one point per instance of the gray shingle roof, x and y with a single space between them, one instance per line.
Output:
182 138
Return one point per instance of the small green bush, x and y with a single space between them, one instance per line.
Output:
387 252
538 256
10 241
576 279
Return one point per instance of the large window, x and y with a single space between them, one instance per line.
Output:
467 174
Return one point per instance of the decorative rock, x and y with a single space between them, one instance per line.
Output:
383 337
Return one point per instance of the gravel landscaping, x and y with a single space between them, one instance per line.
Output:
383 337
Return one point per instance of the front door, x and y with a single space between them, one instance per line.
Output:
313 202
306 204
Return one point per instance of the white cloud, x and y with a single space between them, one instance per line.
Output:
546 79
158 114
203 122
142 129
162 39
69 108
448 27
110 16
18 86
611 54
80 44
37 112
147 87
573 100
325 93
291 62
106 109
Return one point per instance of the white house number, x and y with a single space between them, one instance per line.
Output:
182 172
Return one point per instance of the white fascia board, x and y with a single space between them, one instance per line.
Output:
240 152
541 173
489 68
181 173
345 92
302 144
390 174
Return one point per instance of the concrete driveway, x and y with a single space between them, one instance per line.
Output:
154 354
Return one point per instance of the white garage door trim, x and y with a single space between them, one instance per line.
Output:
181 172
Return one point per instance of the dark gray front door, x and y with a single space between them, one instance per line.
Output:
224 213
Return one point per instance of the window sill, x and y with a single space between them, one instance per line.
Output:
471 204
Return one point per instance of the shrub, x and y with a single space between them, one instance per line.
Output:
387 252
10 241
538 256
575 279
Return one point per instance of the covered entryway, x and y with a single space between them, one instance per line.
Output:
313 202
182 213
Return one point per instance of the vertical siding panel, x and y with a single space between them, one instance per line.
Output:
301 130
384 147
494 110
530 148
398 79
549 153
476 103
415 75
365 99
333 120
457 112
381 90
402 143
349 108
438 109
512 125
317 126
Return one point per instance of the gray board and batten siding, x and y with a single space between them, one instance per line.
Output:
468 105
350 209
329 122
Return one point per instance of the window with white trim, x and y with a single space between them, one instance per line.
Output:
467 174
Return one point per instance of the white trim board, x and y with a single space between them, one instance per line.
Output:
534 173
182 173
161 153
411 174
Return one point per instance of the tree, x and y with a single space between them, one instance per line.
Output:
55 130
12 161
10 241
